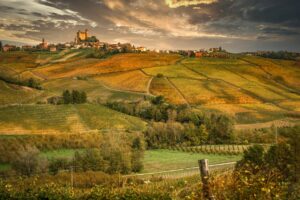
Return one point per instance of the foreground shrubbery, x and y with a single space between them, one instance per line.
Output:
54 192
272 174
261 174
110 153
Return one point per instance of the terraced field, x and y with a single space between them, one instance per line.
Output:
162 86
117 63
132 81
49 119
14 94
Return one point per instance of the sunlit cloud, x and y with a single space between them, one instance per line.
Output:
185 3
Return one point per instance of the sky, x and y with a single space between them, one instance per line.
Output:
236 25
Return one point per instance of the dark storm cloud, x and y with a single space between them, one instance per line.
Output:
158 23
280 31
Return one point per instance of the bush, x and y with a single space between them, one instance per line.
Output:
27 162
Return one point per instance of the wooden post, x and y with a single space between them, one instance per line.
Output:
204 172
72 179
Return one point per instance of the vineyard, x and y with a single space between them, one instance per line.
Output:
214 149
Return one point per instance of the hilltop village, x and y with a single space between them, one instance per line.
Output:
83 40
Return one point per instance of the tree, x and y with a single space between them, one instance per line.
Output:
158 100
76 97
57 164
83 97
220 128
67 97
27 161
33 84
1 46
137 154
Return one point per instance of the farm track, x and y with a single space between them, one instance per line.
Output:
277 123
149 85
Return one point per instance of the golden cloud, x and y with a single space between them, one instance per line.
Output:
180 3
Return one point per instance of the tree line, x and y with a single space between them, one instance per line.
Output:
280 55
31 82
73 97
170 124
113 153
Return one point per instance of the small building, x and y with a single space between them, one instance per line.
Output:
198 54
141 49
8 47
52 48
27 47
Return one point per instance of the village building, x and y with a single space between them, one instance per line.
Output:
81 36
43 45
27 47
52 48
8 47
198 54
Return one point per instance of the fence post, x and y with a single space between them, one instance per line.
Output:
204 172
72 179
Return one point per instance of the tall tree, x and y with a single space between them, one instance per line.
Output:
76 97
67 97
83 97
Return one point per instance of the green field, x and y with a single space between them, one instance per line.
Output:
154 160
4 167
159 160
61 153
48 119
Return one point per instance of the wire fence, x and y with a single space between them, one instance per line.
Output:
166 174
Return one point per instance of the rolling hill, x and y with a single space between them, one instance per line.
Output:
251 89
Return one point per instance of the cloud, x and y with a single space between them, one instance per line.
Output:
163 23
186 3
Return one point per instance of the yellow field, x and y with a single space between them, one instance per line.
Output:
63 119
14 94
117 63
291 105
211 92
133 81
287 72
161 86
173 71
17 61
247 77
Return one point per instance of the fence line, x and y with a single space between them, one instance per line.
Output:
186 171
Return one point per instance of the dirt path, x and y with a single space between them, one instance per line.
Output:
277 123
65 58
149 85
